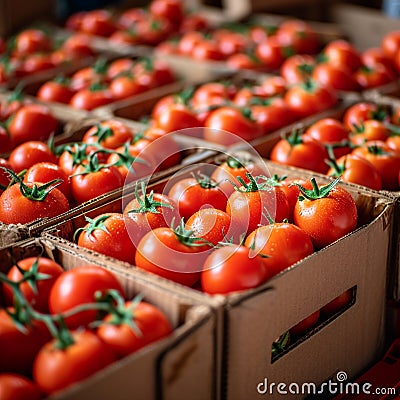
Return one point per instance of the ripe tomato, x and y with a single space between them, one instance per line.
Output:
375 55
175 118
338 77
291 190
358 170
37 297
108 234
329 131
172 10
390 43
212 94
342 52
44 172
109 134
212 225
56 91
18 387
22 203
36 63
374 76
5 178
385 160
283 244
305 325
31 41
192 194
90 180
227 125
300 151
172 254
228 172
151 211
97 22
125 86
370 129
91 98
18 349
32 122
6 144
272 53
148 319
338 303
207 49
78 286
359 112
297 68
274 86
78 45
326 213
243 61
232 269
55 369
30 153
255 204
310 98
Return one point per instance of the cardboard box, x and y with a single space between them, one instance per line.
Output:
365 27
179 366
252 320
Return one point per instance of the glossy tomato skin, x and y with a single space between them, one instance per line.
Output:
44 172
15 208
305 325
342 52
291 190
4 176
175 118
308 154
123 340
232 269
327 219
55 369
38 300
337 77
56 92
18 350
6 144
357 170
31 41
18 387
356 114
32 122
190 196
161 252
283 244
90 185
78 286
112 237
30 153
87 99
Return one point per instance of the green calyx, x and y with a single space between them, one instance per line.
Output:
316 192
205 181
93 225
147 202
294 138
235 163
102 133
34 193
185 236
338 169
125 159
253 185
281 344
376 150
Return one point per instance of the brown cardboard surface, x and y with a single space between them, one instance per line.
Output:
149 373
252 320
365 27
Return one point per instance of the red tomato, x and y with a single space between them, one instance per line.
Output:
78 45
31 41
191 194
358 170
78 286
125 86
326 213
338 77
386 161
342 52
375 55
189 41
32 122
211 94
173 255
297 68
109 234
44 172
310 98
88 183
272 53
232 269
18 387
22 203
149 320
338 303
18 349
6 144
212 225
227 125
291 191
243 61
36 63
97 22
55 369
170 9
359 112
5 178
283 244
274 86
207 50
329 131
390 43
175 118
55 91
38 298
255 204
305 325
88 99
370 129
374 76
300 151
109 134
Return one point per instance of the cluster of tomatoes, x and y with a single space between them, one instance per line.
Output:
59 327
22 120
40 181
247 46
138 26
35 50
106 82
362 147
226 108
223 232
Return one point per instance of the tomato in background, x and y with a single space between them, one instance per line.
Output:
31 41
97 22
297 68
359 112
374 76
370 129
341 52
6 144
338 303
390 43
56 91
375 55
175 118
5 178
338 77
305 325
18 387
169 9
272 53
91 98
